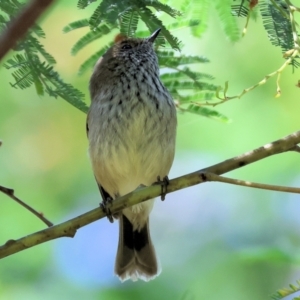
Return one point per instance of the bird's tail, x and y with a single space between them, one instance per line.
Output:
136 258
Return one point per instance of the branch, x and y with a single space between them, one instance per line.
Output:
289 55
10 193
68 228
18 27
270 187
296 149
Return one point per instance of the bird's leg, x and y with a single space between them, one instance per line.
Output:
106 202
164 186
105 207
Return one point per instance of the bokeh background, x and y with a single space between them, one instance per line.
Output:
215 241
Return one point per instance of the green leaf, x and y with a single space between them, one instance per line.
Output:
23 74
278 26
167 59
153 23
195 75
284 292
30 70
38 31
129 22
59 88
23 77
109 11
16 61
228 22
10 7
38 86
76 25
91 61
196 97
163 7
84 3
181 74
90 37
35 45
97 16
206 112
241 9
187 85
198 11
182 23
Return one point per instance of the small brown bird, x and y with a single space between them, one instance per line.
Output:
131 128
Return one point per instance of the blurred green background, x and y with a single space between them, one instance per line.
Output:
214 241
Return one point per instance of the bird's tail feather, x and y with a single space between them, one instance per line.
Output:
136 258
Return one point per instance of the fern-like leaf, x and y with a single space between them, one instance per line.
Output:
16 61
57 87
38 31
90 37
182 74
84 3
153 23
282 293
162 7
108 11
206 112
278 27
76 25
190 85
91 61
200 97
10 7
197 11
129 22
35 45
23 77
241 9
228 22
183 24
167 59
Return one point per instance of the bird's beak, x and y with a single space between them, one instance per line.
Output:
154 35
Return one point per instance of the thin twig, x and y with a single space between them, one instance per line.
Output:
277 188
289 55
295 52
295 149
18 27
10 193
68 228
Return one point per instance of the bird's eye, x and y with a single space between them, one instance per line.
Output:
126 47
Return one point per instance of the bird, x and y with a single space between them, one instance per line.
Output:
131 128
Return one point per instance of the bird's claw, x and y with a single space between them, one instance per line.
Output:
104 205
164 186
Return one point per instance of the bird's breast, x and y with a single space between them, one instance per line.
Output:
132 137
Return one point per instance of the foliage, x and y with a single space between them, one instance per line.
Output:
282 293
276 20
32 64
278 26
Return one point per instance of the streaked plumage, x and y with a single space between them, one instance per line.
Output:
131 130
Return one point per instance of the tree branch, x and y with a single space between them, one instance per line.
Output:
68 228
18 27
10 193
270 187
